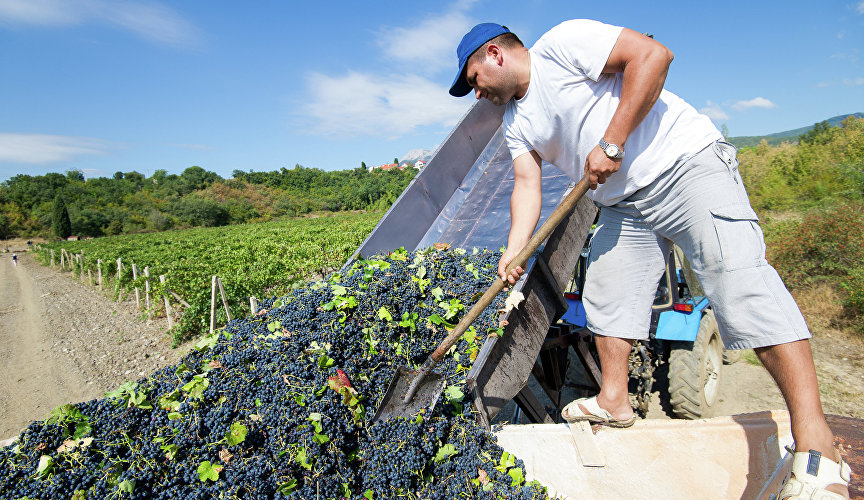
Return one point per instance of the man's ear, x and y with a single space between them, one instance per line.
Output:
495 53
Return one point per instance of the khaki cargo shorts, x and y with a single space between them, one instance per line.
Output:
701 205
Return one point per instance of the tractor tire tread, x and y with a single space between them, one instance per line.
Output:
686 373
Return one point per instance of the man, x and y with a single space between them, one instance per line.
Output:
589 98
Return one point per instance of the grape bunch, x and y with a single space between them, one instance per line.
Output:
279 404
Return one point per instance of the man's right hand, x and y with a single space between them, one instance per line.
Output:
515 273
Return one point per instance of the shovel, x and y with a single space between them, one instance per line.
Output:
411 391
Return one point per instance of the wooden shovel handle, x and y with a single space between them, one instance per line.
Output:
562 211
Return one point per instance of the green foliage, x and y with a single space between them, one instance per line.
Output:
262 259
71 420
819 134
789 136
4 226
811 197
445 452
130 396
60 223
826 168
196 211
130 202
236 435
208 471
826 245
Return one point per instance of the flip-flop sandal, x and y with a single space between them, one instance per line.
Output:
596 415
811 474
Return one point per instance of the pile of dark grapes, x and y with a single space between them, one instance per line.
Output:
279 404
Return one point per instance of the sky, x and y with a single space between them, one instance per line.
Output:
103 86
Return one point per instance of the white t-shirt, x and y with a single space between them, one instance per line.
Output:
569 105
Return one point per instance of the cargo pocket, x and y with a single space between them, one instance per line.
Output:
742 244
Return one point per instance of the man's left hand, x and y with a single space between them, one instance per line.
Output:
598 167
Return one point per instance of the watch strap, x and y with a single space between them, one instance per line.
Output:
604 145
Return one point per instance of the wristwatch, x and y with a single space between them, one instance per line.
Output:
612 150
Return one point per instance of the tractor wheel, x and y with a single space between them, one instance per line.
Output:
694 372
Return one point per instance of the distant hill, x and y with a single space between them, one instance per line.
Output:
746 141
418 154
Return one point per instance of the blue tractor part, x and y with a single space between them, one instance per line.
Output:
683 335
682 322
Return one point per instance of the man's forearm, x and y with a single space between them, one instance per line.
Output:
525 205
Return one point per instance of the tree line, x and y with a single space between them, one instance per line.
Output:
59 205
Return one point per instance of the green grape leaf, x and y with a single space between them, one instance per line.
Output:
208 471
236 435
445 452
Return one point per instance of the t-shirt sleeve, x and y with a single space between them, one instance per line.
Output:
516 142
584 43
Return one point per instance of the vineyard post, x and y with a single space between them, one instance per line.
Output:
99 272
213 305
117 279
81 265
224 298
147 290
62 264
168 312
137 292
253 304
52 257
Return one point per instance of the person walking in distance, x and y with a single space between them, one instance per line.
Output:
588 98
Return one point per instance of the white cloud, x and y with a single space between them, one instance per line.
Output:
367 102
149 20
756 102
42 148
359 104
860 7
437 36
714 111
853 81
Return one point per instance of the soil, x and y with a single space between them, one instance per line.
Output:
63 341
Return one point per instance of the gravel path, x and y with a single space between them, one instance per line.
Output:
61 341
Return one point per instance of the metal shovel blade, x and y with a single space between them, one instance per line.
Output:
392 404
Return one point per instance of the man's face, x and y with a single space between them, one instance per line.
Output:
489 80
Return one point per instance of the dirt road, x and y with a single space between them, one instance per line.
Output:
31 383
62 341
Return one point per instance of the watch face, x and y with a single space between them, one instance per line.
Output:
612 150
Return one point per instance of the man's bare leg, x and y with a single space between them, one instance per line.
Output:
791 366
614 364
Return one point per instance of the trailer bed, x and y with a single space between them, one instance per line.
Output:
462 198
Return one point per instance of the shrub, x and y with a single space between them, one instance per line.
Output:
826 245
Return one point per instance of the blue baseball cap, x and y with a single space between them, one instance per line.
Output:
472 41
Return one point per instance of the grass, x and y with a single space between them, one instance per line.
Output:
750 357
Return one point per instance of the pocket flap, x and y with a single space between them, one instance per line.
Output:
737 211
